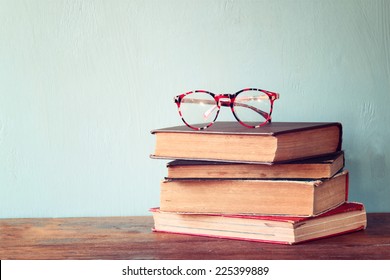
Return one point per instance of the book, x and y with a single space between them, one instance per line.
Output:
273 197
314 168
346 218
230 141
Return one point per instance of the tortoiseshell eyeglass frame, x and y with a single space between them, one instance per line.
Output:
228 100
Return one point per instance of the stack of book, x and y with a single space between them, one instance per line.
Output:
282 183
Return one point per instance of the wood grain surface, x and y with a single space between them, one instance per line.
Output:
132 238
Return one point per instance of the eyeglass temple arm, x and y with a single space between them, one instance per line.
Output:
261 112
225 103
265 115
197 100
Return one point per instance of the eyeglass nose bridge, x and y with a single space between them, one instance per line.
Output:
224 100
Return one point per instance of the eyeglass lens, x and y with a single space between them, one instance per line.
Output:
252 107
198 108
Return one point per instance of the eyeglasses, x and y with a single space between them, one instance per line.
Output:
251 107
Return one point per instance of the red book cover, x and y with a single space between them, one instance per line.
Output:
348 217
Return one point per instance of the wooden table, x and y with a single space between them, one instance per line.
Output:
131 238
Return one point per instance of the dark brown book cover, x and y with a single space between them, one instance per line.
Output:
273 128
320 160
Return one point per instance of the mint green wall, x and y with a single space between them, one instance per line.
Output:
83 82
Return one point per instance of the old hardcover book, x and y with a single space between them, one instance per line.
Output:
271 197
314 168
230 141
346 218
